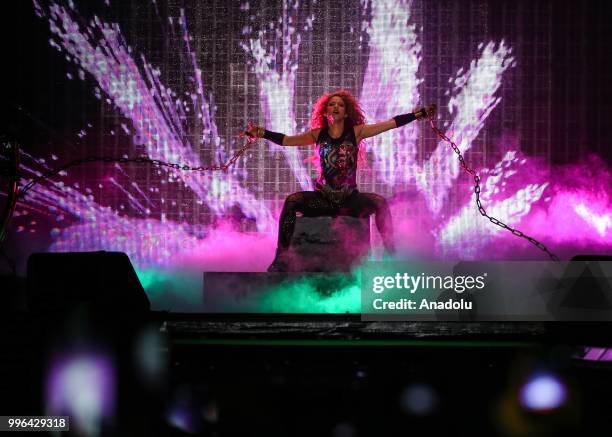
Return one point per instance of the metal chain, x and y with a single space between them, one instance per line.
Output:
481 209
239 153
137 160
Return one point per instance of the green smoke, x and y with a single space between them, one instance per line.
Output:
172 290
326 293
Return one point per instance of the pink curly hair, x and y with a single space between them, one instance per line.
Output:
353 109
354 113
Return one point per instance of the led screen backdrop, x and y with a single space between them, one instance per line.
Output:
177 81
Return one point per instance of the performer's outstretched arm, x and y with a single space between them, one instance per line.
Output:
304 139
369 130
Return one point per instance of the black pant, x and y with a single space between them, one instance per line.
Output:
315 203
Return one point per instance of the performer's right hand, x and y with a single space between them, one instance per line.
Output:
253 131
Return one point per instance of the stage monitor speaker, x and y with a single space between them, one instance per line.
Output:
91 304
103 281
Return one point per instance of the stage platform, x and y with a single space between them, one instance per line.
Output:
349 329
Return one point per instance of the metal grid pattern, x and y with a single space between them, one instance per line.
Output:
331 57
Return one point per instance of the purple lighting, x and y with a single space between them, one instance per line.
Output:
133 85
277 83
543 393
391 86
178 121
82 386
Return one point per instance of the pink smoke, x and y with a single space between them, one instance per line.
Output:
579 210
575 216
227 250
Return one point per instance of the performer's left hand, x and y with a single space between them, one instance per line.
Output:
426 112
431 110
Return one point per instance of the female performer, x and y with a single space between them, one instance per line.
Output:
338 129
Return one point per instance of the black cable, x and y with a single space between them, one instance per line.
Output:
13 187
